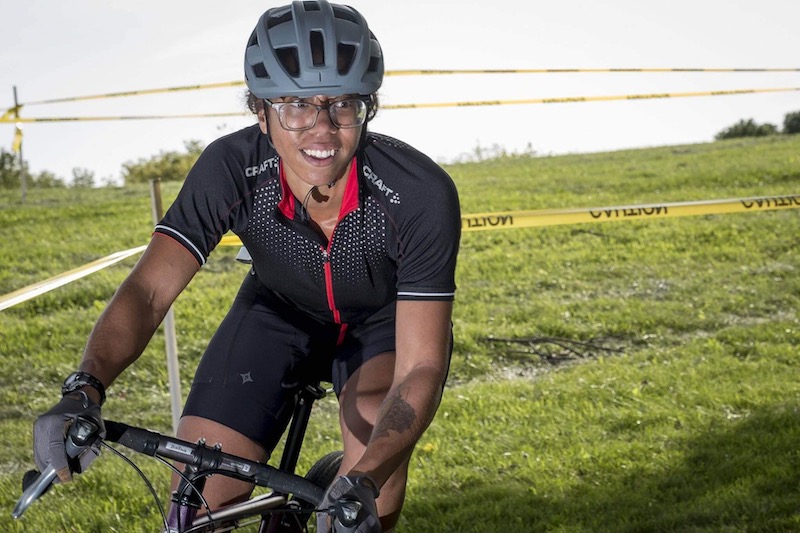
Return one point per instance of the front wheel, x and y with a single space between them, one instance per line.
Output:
324 470
321 474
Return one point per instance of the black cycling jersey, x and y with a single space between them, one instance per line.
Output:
396 238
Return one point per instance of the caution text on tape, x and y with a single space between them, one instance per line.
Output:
553 217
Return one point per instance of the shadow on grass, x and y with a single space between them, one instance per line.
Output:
743 477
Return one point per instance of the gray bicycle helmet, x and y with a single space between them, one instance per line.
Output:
310 48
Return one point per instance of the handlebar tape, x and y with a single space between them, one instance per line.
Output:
137 439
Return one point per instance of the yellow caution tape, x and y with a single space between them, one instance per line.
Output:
575 99
483 221
415 72
230 240
16 143
432 72
42 287
554 217
139 92
132 117
569 99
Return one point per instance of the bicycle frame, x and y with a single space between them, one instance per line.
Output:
187 501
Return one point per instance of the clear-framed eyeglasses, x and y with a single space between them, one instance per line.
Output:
300 115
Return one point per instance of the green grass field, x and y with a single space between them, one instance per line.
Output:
677 409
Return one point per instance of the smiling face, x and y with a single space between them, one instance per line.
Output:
316 156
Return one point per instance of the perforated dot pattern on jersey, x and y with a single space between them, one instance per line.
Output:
359 242
280 243
357 249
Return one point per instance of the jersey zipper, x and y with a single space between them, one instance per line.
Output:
337 318
350 203
326 261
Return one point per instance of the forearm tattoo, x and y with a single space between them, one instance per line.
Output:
398 416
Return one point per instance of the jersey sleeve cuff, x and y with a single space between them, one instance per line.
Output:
423 295
183 240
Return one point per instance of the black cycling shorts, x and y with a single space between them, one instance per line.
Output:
264 349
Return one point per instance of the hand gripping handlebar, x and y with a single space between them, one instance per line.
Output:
81 435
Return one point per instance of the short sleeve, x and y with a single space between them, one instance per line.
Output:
210 202
429 240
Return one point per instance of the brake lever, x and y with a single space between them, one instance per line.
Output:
80 436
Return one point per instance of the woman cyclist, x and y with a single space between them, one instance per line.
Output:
353 238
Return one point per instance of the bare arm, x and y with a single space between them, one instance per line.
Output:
422 358
137 308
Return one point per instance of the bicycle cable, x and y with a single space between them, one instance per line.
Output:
189 483
146 482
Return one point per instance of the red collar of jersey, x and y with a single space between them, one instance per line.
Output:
288 203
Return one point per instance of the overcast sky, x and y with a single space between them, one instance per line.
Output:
51 49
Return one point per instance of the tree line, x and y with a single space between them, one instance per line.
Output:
750 128
166 165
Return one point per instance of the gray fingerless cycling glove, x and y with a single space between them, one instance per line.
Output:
50 432
361 489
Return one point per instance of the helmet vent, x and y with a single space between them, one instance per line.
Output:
374 64
260 71
275 21
344 14
317 42
346 53
311 6
290 60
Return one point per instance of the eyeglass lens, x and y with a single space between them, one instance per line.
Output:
303 115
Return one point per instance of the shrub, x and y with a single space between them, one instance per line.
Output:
168 166
747 128
82 178
9 170
47 180
791 123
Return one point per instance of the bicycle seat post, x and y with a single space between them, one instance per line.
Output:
304 400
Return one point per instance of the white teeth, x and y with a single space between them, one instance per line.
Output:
320 154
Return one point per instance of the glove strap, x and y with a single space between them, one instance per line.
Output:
78 380
366 481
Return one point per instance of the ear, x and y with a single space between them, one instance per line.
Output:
262 121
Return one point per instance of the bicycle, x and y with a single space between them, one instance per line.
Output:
287 508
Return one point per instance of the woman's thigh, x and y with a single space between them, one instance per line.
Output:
220 491
249 373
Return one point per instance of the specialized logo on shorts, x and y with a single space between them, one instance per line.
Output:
246 378
390 193
271 163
